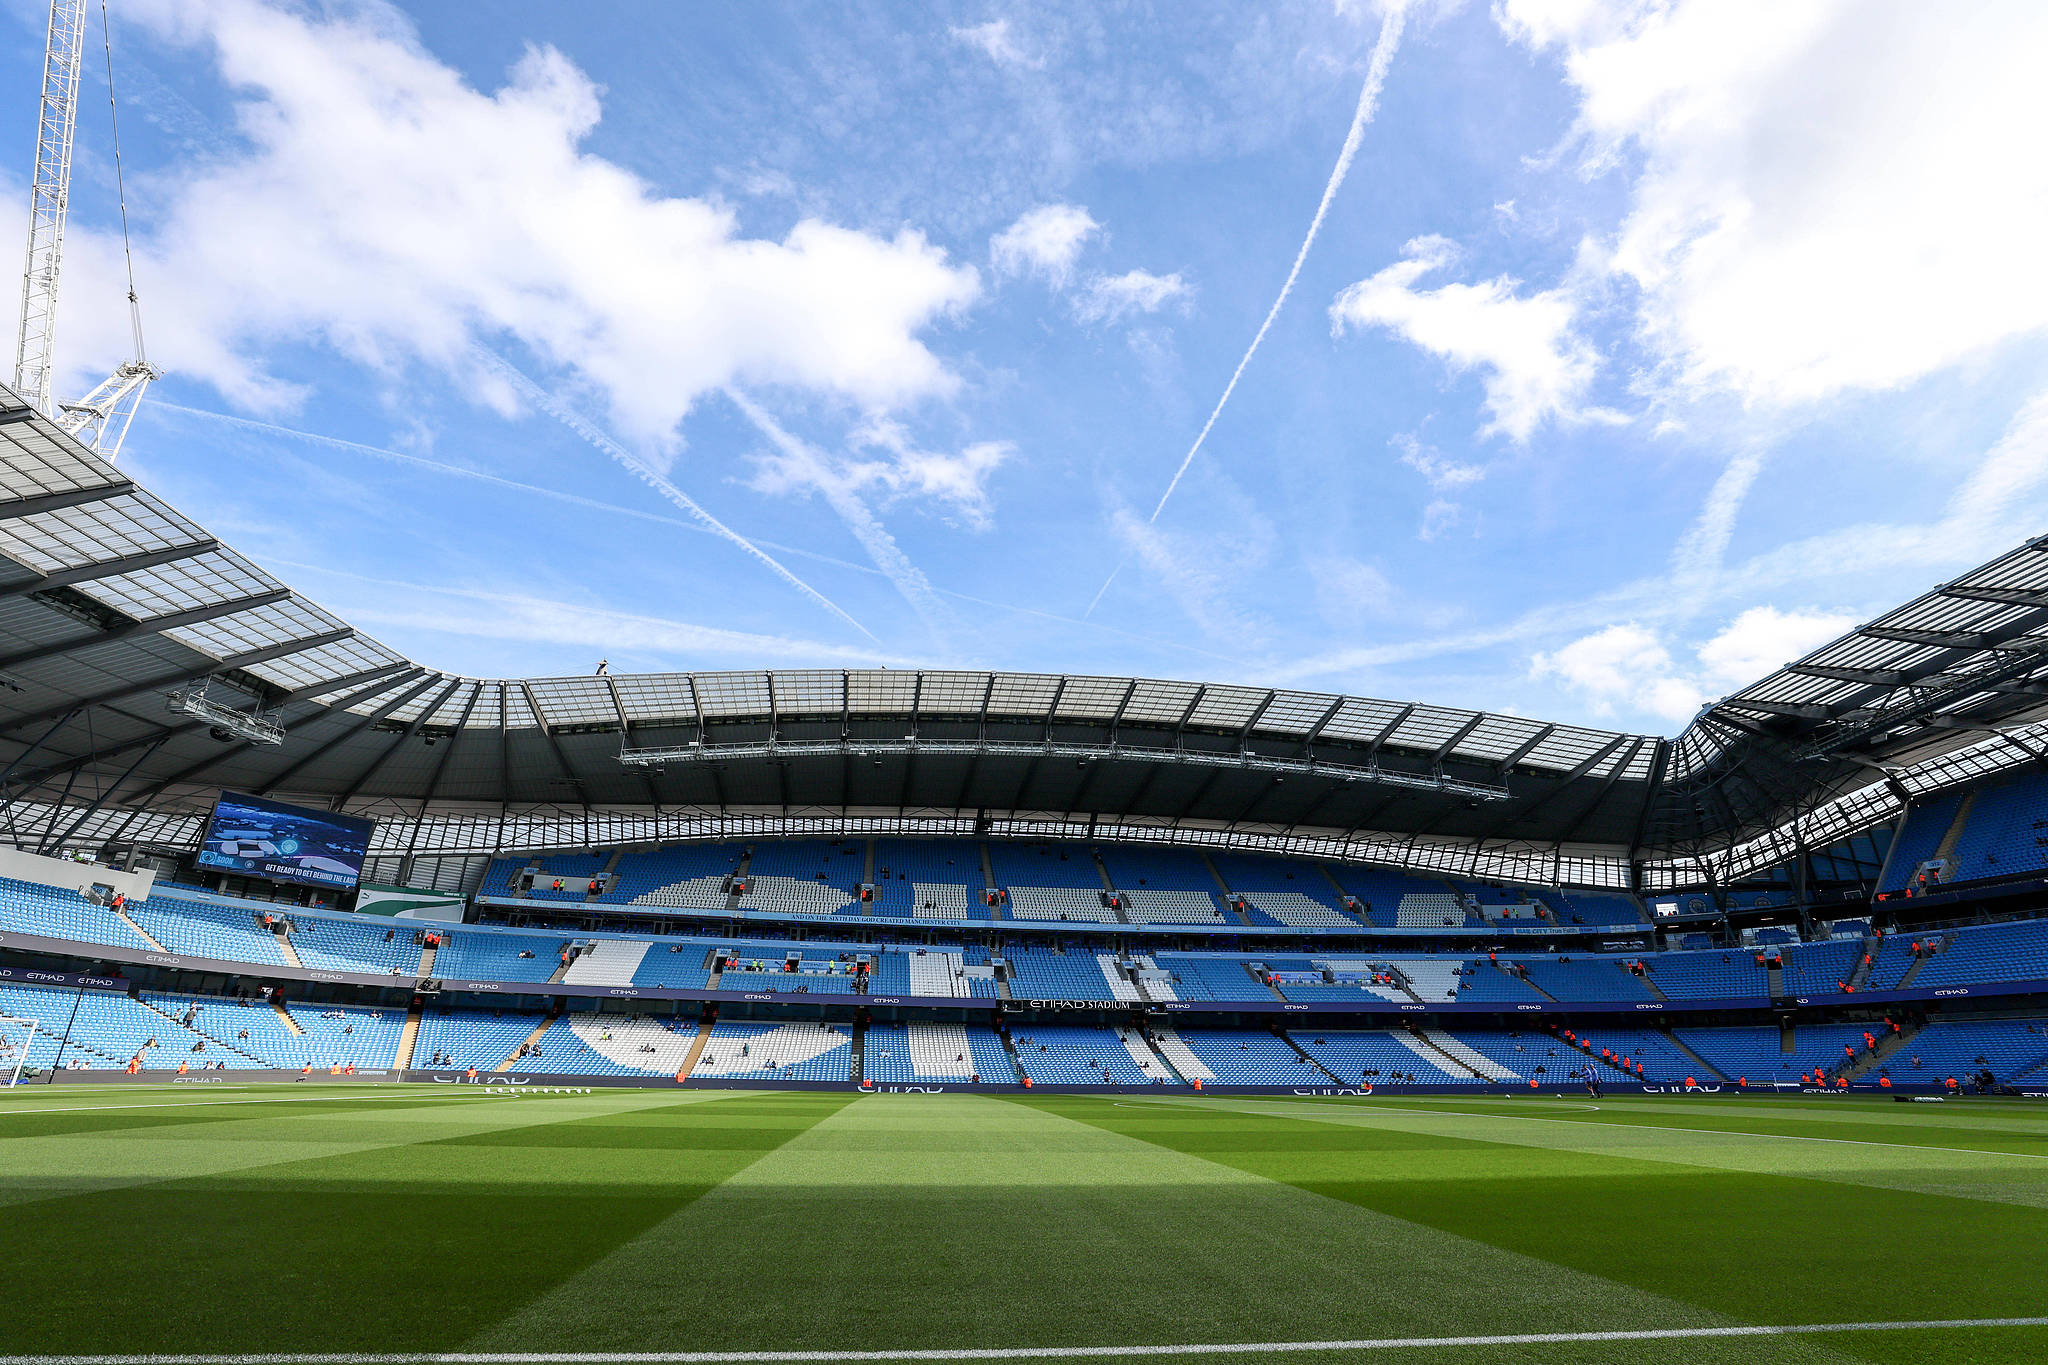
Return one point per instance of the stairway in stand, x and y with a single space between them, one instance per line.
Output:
531 1038
696 1051
409 1035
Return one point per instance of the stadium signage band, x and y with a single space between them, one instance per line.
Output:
1365 1006
39 977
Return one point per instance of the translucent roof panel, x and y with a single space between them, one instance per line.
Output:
574 701
941 693
1091 698
1022 694
1160 703
655 696
729 695
814 692
1228 708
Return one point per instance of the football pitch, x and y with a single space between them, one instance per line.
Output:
279 1223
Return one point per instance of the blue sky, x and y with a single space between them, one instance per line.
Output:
1640 349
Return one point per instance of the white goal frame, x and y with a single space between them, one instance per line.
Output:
12 1075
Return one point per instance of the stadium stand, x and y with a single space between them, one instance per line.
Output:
2008 1048
1054 974
1244 1057
53 913
1060 1054
2016 950
929 879
466 1038
202 930
790 1052
1397 900
2004 833
894 1054
1820 968
1924 829
1279 891
1381 1057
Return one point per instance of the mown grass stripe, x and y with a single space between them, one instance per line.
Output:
1032 1352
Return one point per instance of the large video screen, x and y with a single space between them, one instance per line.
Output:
280 843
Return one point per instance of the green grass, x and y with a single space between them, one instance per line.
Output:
380 1219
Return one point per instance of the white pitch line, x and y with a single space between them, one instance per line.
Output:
1670 1128
1022 1352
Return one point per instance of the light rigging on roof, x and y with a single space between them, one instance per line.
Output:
101 418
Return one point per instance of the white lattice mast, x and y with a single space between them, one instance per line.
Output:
56 131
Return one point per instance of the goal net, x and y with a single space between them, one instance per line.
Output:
17 1037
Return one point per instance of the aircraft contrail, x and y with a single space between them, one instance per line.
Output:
1368 103
582 426
872 535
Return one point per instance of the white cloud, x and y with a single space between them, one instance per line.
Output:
995 41
1534 367
1625 665
1045 241
1111 298
378 203
1443 473
1629 667
1762 640
1832 196
954 485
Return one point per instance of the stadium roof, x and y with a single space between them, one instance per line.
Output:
110 599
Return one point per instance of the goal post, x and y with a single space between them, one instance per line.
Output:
17 1036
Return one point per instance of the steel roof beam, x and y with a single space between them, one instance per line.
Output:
555 744
1953 639
170 731
411 729
1443 750
154 625
165 680
362 723
111 568
1524 749
13 508
2011 597
1869 677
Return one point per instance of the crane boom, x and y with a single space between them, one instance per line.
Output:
56 131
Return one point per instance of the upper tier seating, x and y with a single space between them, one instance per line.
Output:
804 877
2005 833
52 913
929 879
1281 891
1591 907
2013 951
1817 968
202 930
1917 841
682 876
1069 865
1074 903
